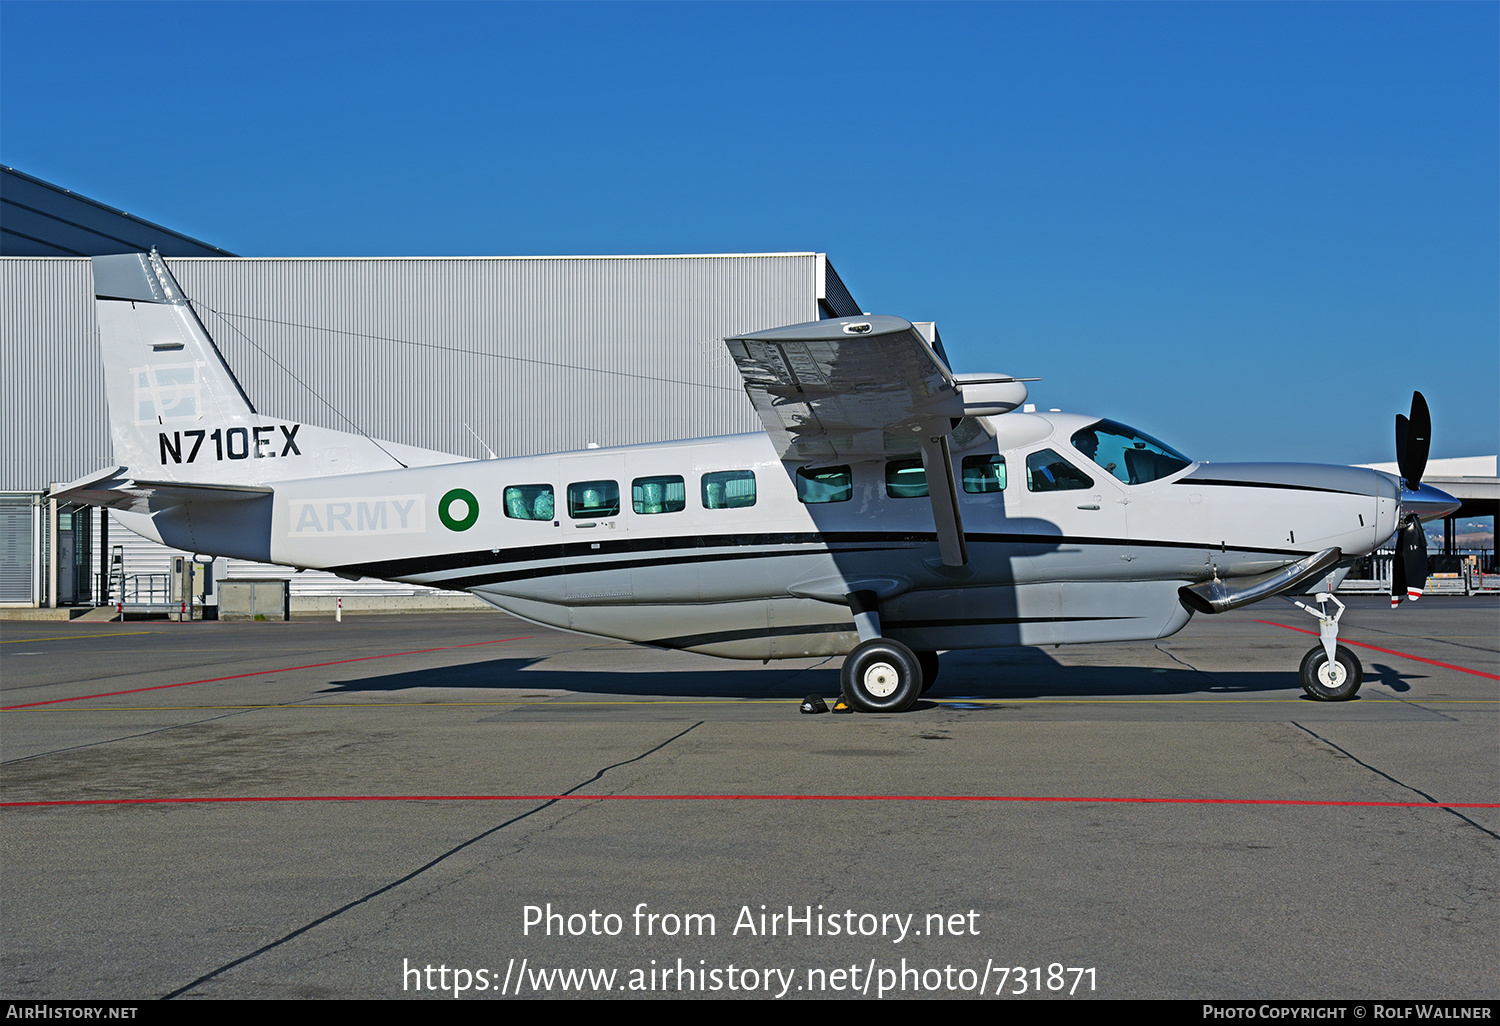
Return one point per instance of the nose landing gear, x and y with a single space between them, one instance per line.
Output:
1330 672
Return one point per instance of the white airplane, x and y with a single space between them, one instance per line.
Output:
891 509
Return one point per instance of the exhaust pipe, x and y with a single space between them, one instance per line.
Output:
1219 596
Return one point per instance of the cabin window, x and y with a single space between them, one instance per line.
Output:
1130 456
825 484
658 495
593 499
905 479
529 502
1046 471
984 474
729 489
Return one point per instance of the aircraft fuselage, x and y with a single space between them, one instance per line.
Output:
706 545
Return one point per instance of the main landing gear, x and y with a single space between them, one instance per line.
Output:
1330 672
882 675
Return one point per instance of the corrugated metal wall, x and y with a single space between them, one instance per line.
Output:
55 424
18 543
535 354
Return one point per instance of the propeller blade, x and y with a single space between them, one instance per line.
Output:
1398 570
1402 427
1413 440
1414 558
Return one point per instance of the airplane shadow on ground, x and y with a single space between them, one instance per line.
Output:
1389 676
991 674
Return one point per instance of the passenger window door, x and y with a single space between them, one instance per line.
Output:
593 504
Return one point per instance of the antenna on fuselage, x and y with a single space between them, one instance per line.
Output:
488 452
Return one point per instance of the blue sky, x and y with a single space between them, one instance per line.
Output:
1249 229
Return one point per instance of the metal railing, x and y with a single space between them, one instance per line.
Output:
1459 573
158 588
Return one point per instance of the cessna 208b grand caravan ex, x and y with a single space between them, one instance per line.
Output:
891 509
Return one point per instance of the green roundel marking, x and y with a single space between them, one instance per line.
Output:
468 509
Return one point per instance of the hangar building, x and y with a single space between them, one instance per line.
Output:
468 355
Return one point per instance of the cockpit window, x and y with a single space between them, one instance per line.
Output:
1126 453
1046 471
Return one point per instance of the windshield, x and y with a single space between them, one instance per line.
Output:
1126 453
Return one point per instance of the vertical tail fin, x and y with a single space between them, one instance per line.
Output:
178 413
163 374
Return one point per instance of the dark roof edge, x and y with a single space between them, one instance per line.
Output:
7 169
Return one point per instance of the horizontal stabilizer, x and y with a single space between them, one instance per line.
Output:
115 489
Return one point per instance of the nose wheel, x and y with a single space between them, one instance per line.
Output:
1331 680
1330 672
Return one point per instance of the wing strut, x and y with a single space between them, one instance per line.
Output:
943 494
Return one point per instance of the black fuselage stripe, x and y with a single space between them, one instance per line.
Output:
1269 484
587 558
574 550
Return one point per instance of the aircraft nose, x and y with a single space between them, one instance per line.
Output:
1427 502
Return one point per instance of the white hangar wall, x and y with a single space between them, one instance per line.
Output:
529 354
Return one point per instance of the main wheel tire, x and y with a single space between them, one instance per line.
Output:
928 661
1331 682
882 675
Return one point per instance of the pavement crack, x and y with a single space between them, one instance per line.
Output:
1414 703
1399 783
790 681
421 869
1182 662
144 733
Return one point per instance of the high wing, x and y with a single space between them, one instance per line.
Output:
865 388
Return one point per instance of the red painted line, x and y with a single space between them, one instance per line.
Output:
1387 651
744 798
262 673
